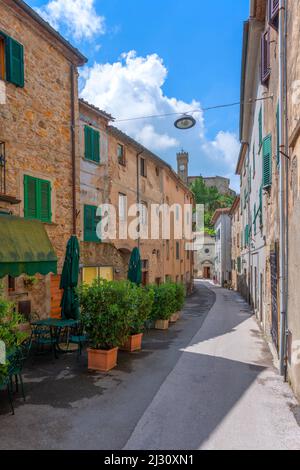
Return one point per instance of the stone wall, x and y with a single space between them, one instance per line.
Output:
35 125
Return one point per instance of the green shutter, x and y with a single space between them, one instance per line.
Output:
260 129
254 218
45 201
30 197
239 265
96 146
92 144
14 62
278 134
90 224
267 161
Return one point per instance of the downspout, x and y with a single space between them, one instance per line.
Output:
138 187
282 185
73 148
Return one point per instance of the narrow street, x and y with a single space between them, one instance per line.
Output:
206 383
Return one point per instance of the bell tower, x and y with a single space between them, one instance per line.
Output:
183 165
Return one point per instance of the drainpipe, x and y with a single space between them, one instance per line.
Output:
138 186
73 147
284 149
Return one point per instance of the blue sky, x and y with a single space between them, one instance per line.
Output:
187 55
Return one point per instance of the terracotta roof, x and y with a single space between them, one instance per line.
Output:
218 214
97 110
36 17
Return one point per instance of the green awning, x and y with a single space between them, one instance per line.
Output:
25 248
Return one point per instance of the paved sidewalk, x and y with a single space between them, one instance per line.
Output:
224 392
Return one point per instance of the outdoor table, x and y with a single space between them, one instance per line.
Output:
56 325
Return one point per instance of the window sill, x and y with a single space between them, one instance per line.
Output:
92 162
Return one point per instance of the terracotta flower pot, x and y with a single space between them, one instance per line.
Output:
174 317
162 324
102 361
133 343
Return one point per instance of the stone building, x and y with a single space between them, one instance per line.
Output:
222 225
205 259
39 177
236 263
119 171
268 166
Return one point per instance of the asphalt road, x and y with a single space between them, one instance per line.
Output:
206 383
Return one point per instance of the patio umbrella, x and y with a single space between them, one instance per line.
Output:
135 267
69 281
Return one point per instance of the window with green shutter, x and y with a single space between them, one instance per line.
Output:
91 144
14 61
239 265
254 219
247 235
260 128
37 199
91 221
267 161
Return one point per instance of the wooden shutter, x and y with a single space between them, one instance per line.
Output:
265 57
95 146
45 201
90 224
267 161
14 62
30 197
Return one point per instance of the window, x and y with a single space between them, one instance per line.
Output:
121 154
267 161
90 274
265 57
177 210
11 284
144 213
91 220
168 249
143 167
254 218
37 199
274 13
238 240
122 207
91 144
145 264
11 60
239 265
2 58
260 128
177 251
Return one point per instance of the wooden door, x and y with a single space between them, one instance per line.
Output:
56 295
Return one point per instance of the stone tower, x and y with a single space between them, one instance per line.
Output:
183 165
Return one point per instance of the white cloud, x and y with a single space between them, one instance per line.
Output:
78 16
132 87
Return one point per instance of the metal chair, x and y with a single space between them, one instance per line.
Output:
79 337
42 336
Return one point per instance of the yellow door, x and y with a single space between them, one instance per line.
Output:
106 273
89 275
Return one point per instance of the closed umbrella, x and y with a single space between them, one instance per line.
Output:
135 267
69 281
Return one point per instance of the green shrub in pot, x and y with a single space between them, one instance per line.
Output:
179 297
163 302
144 303
107 312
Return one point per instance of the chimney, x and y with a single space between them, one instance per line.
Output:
183 165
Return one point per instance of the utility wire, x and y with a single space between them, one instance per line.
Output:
229 105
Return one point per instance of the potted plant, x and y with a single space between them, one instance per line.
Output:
143 299
178 302
10 335
106 309
162 306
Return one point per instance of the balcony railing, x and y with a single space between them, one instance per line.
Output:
2 168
